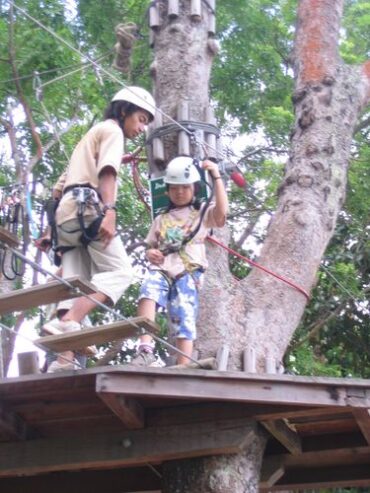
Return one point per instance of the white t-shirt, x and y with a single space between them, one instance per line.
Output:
171 227
100 147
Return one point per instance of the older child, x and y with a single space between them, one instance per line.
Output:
177 255
86 214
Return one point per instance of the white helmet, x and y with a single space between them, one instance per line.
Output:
138 96
181 171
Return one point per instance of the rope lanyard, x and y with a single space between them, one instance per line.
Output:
258 266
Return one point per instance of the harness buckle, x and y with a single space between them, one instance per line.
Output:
85 195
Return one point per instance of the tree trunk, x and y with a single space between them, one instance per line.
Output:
262 312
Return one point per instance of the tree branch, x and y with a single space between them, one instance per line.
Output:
22 99
316 53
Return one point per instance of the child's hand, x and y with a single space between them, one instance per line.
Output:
155 256
212 168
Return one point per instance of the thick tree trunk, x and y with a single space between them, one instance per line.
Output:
262 312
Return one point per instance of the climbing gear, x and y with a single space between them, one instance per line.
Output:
137 96
13 219
126 35
181 171
85 196
258 266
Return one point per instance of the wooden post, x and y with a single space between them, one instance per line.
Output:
270 365
173 9
211 140
154 17
28 363
1 355
151 38
183 142
249 360
196 10
222 357
158 148
212 18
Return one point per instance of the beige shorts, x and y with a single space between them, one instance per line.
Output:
107 268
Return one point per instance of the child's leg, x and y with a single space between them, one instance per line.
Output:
183 311
186 346
146 308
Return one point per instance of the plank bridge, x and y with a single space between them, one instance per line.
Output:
118 424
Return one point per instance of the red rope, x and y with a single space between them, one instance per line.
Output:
254 264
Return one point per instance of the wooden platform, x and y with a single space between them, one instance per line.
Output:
97 335
8 238
42 294
124 422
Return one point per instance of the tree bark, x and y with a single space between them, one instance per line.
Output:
262 312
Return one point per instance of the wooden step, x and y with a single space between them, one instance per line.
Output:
8 237
42 294
79 339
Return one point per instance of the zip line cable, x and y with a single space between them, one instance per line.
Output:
28 339
57 69
112 76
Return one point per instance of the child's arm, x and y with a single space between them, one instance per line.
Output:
221 201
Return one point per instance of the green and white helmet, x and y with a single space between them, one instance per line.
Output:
181 171
137 96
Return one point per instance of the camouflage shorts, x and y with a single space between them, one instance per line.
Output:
179 297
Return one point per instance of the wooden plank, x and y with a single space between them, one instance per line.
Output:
226 386
43 294
333 477
12 426
271 472
8 238
129 411
113 481
97 335
298 415
284 434
125 448
28 363
362 417
325 457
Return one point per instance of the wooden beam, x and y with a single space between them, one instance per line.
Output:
127 480
227 386
8 238
42 294
97 335
299 415
284 434
129 411
271 472
362 417
331 477
124 448
328 457
12 427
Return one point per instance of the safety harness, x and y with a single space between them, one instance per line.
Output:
84 196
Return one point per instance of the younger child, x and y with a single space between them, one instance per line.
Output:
177 255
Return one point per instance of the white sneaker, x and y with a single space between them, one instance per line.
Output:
56 367
55 327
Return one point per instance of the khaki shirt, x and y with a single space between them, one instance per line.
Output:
100 147
173 225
